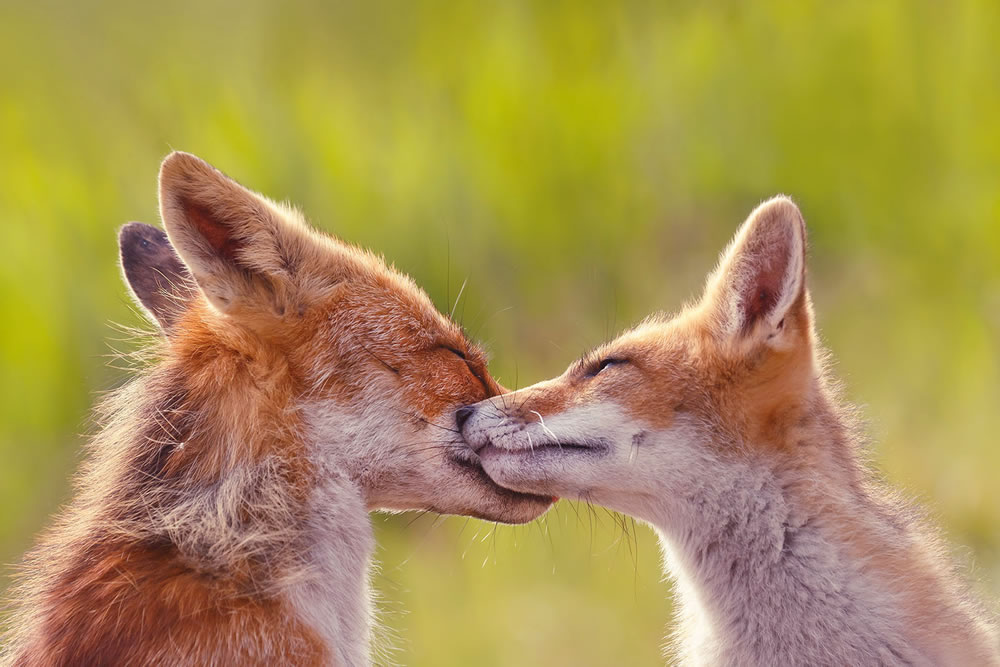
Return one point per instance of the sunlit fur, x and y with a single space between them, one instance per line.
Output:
221 517
721 428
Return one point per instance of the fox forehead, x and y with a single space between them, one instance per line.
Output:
659 341
384 317
652 379
391 300
672 365
360 295
662 369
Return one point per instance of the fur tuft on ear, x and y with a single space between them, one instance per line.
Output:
760 279
242 250
154 273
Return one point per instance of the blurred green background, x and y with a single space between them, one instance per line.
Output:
581 164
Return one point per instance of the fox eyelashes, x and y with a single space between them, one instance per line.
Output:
605 363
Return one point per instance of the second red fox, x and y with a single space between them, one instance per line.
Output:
722 428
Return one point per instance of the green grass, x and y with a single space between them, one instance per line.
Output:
581 164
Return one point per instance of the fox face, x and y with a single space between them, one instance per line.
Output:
665 406
270 322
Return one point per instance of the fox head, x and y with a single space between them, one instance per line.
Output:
652 413
279 329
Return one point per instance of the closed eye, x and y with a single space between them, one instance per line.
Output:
477 370
605 363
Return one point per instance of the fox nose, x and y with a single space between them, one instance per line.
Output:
462 415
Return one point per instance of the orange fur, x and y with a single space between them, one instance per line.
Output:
192 525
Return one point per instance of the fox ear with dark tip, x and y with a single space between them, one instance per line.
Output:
242 250
154 273
758 291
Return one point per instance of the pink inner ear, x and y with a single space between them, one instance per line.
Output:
763 292
217 234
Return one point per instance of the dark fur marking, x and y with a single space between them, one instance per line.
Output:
168 426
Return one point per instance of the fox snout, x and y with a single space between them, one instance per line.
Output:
490 422
467 418
462 415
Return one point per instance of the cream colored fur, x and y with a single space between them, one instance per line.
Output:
720 428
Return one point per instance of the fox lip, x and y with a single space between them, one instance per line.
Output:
574 447
474 466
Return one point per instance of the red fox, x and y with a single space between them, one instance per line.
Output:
721 428
222 516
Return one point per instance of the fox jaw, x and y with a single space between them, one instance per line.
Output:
718 427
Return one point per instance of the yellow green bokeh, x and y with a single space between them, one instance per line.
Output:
580 164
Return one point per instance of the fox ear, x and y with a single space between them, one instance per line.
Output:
154 273
241 249
758 289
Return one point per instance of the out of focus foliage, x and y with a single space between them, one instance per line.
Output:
580 164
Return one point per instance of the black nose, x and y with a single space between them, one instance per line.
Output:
462 415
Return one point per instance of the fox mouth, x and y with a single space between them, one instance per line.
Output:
569 448
470 462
